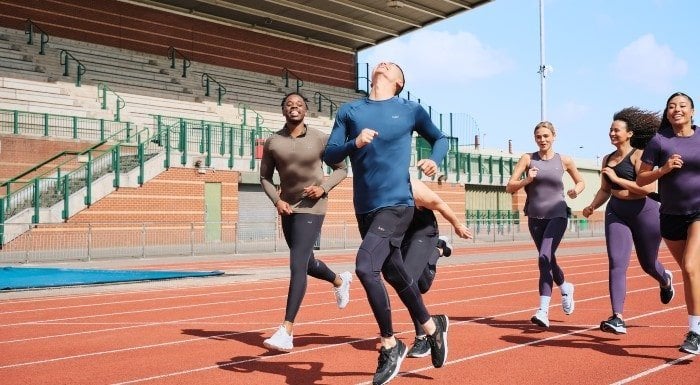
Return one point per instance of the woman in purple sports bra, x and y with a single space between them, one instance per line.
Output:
631 217
546 210
672 158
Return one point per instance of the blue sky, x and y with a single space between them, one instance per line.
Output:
605 55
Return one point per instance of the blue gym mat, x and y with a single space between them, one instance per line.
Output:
12 278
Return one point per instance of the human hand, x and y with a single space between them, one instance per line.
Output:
313 192
532 173
587 211
610 173
673 162
572 193
463 231
427 166
283 208
366 137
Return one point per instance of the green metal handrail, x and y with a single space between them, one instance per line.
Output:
318 97
64 55
29 30
172 53
221 90
59 126
102 89
286 72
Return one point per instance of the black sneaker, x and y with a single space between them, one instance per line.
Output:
445 245
420 348
614 325
438 340
389 363
666 292
690 345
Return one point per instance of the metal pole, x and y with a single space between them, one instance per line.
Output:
543 67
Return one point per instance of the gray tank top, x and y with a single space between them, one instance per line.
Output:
545 195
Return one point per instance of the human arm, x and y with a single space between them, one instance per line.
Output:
429 199
267 170
339 145
438 142
515 182
579 184
648 174
630 185
601 196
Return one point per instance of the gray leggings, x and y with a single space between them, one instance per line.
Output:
627 223
300 232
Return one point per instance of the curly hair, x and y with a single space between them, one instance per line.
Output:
642 123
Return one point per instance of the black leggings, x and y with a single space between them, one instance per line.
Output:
380 253
420 255
300 232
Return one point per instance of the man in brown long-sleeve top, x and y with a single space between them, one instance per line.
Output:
295 152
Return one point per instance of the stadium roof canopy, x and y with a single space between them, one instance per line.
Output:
346 25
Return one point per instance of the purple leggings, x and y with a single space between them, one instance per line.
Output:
547 234
627 223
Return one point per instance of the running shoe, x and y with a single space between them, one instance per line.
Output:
541 318
342 292
691 343
420 348
666 292
445 245
280 341
614 325
389 363
438 340
567 298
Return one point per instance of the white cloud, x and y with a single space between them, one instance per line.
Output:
441 58
648 64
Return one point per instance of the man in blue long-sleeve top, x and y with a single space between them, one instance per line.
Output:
376 133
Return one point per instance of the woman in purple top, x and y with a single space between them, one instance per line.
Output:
631 217
672 158
546 210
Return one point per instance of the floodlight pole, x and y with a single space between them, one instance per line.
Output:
543 67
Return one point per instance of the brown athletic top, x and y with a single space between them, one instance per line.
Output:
298 162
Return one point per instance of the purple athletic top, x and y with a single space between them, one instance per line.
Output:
545 195
680 188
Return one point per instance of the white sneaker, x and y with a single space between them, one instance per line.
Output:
280 341
342 292
567 298
541 318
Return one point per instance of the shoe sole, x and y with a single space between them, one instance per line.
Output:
444 343
278 348
421 355
573 304
682 349
538 322
611 329
396 371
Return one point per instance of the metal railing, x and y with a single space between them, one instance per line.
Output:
29 31
60 126
221 90
102 89
64 57
286 74
319 97
87 241
172 54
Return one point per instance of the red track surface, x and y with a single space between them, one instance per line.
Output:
213 333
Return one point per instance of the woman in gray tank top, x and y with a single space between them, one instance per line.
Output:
546 210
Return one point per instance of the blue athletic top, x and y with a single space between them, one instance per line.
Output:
380 169
680 188
545 195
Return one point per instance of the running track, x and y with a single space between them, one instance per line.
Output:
210 330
